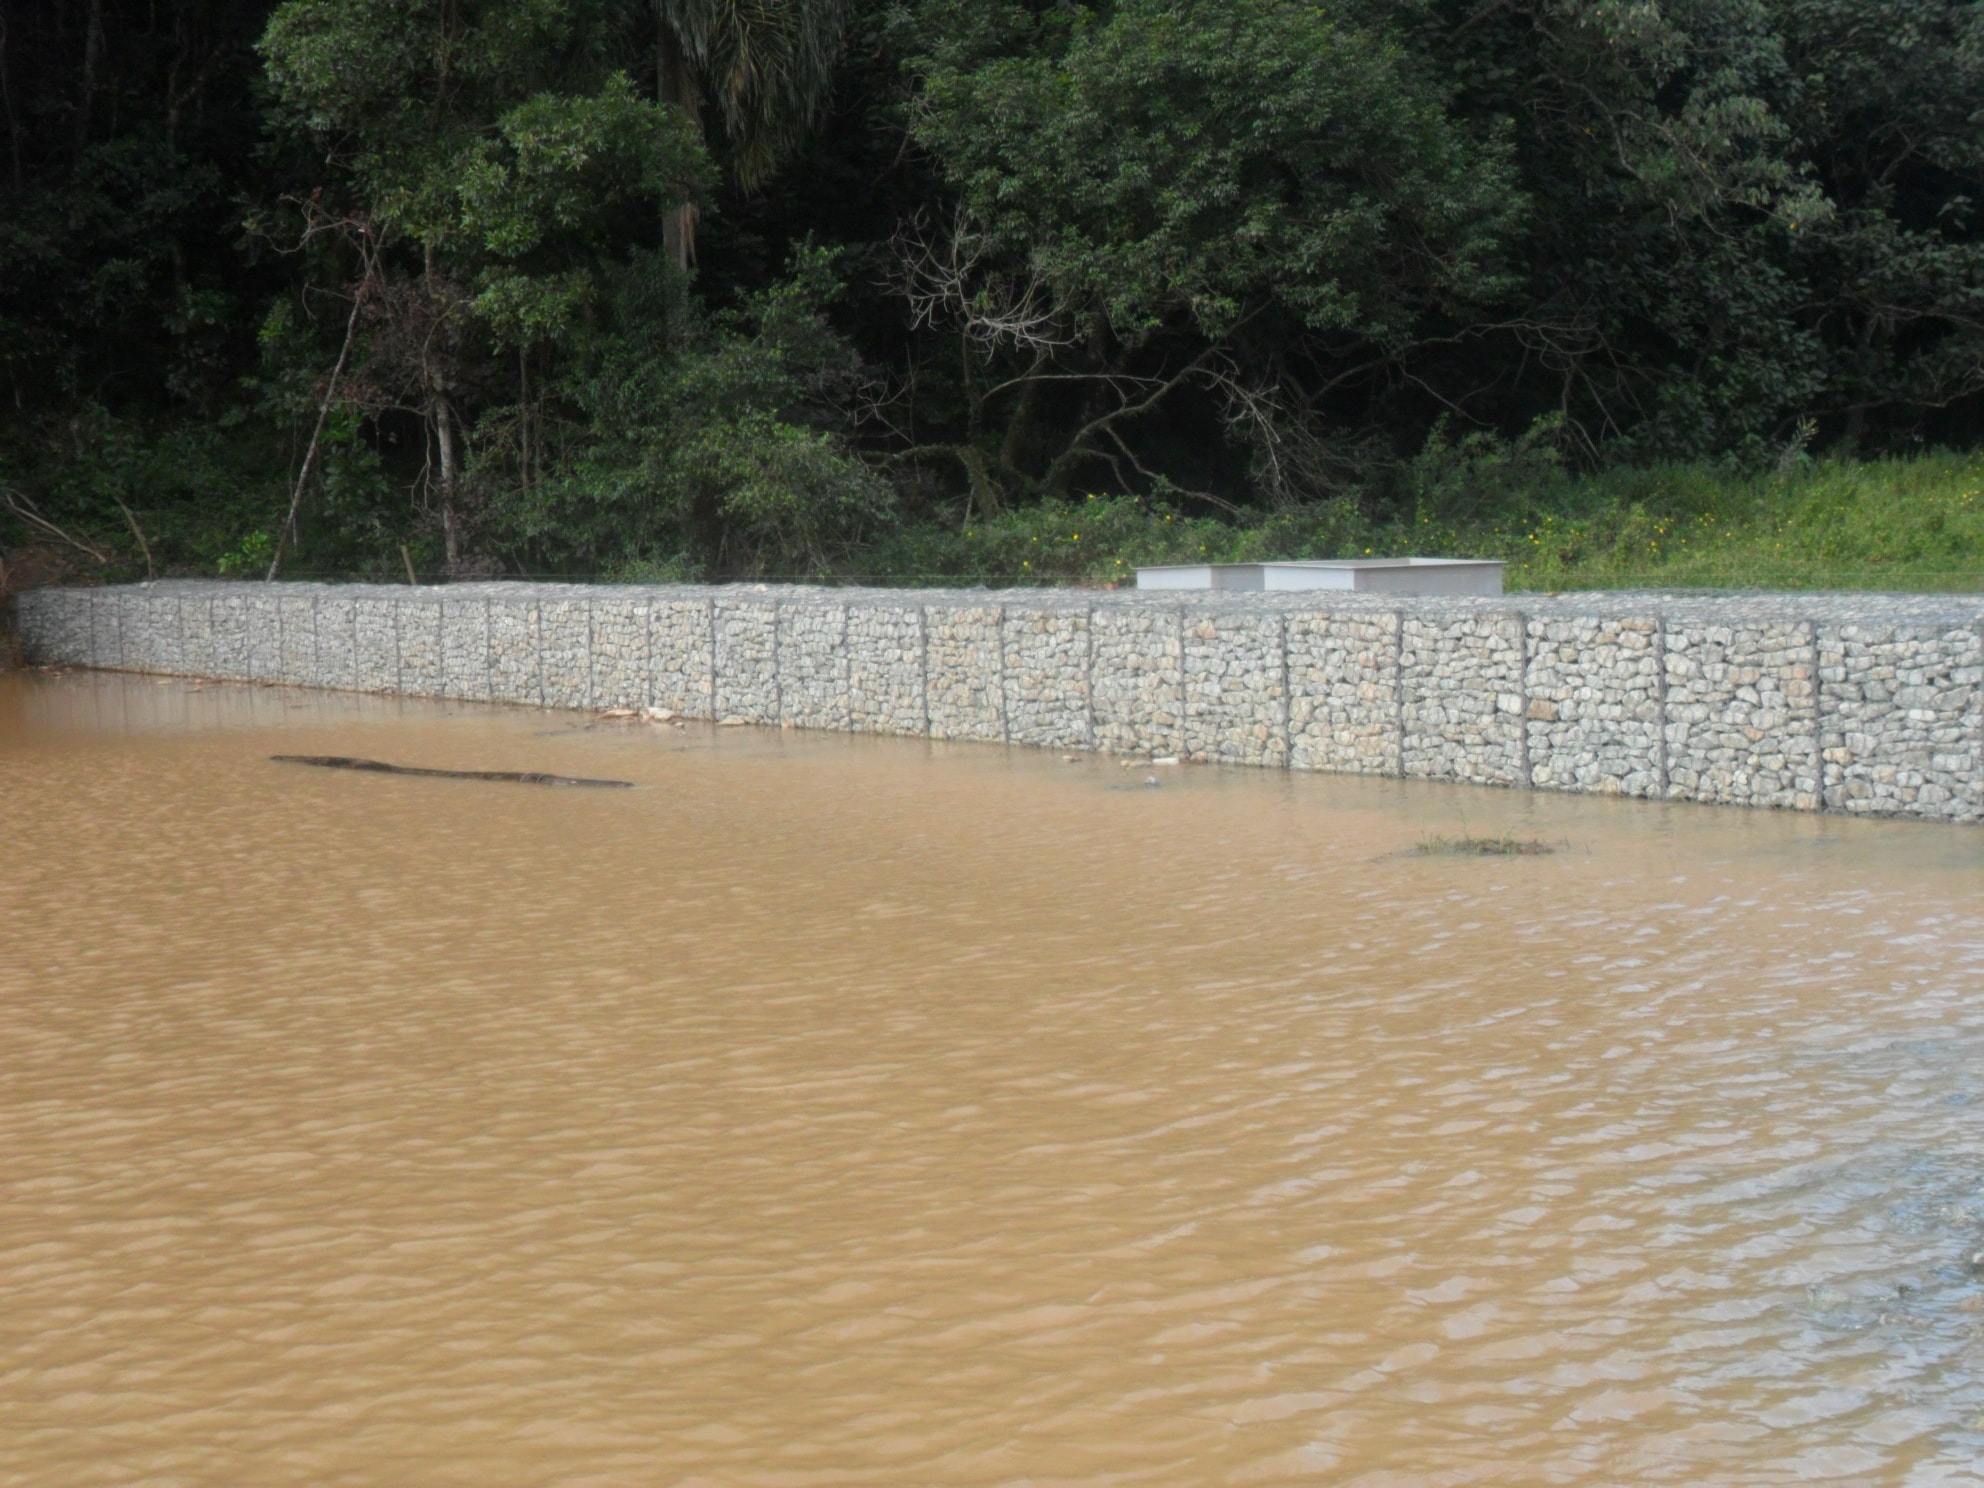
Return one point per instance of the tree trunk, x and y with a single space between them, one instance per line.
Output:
86 95
1012 449
444 439
441 415
676 84
523 417
983 491
7 99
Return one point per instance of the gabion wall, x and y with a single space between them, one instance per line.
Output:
1868 704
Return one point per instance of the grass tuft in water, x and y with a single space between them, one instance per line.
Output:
1436 845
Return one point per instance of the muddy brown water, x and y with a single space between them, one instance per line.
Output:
833 1110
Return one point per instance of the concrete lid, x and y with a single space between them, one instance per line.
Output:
1401 576
1328 563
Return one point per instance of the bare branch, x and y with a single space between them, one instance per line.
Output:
143 546
1163 482
369 246
26 510
945 278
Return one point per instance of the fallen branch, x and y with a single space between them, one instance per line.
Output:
514 777
26 510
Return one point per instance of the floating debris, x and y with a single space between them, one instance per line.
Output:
380 767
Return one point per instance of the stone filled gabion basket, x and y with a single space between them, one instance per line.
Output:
1861 704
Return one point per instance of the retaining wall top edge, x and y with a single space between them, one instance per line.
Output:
1824 607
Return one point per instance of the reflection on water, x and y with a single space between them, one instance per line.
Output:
860 1111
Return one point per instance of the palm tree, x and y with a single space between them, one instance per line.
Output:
764 66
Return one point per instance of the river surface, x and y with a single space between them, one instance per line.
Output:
848 1111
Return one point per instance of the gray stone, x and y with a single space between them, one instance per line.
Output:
1856 703
1138 687
1460 696
747 660
619 654
464 627
1344 702
681 655
296 625
564 637
419 629
516 655
813 666
885 669
1236 688
1593 705
964 671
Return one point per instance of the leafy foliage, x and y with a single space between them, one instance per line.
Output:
767 69
704 443
890 286
1213 159
559 167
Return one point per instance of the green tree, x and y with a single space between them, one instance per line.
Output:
707 445
489 139
765 68
1174 200
1747 212
1242 253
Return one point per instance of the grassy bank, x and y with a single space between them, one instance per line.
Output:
1892 524
1914 524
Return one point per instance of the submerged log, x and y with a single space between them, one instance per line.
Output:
514 777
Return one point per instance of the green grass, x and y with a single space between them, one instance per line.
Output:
1913 524
1890 524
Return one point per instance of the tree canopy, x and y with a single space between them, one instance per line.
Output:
700 287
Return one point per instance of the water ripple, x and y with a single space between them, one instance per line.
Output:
855 1111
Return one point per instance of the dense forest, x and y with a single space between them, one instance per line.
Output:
841 288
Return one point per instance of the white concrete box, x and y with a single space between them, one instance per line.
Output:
1362 575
